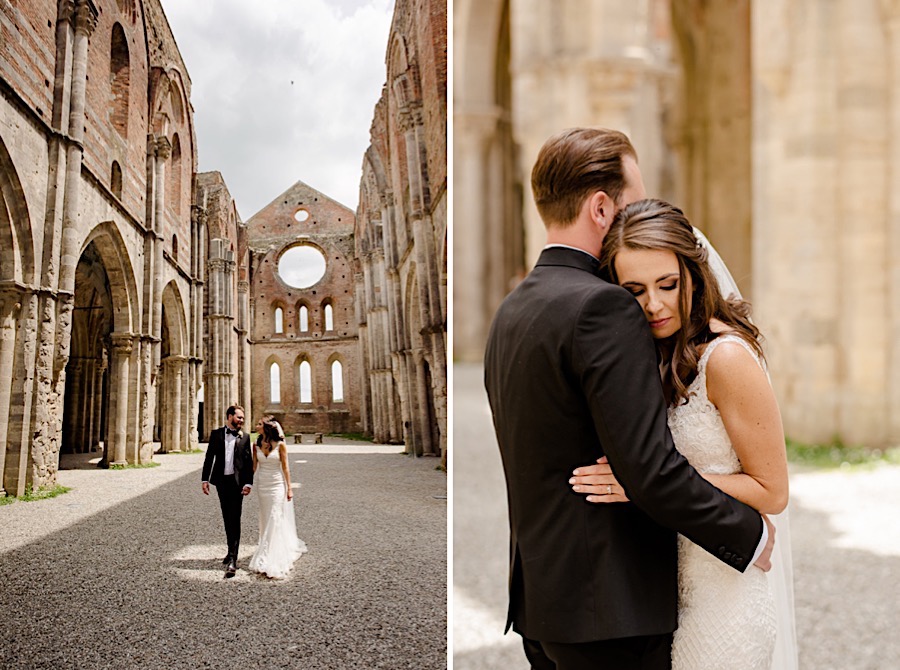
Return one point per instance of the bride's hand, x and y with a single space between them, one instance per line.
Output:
290 494
598 482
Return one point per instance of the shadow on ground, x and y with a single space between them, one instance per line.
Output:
140 585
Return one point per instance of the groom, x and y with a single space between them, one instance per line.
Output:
229 467
571 375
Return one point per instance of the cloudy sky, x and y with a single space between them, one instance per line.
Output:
283 90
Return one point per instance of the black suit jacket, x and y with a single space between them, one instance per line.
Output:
571 375
214 463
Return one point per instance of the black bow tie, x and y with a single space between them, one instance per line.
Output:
232 432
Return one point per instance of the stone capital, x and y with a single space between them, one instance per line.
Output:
243 286
66 10
85 18
10 299
122 343
163 148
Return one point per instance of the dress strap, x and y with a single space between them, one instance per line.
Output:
727 337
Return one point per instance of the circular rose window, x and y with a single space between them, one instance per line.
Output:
301 266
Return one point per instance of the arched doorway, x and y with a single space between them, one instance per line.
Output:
173 395
102 370
17 305
86 407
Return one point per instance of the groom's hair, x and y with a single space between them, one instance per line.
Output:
231 411
574 164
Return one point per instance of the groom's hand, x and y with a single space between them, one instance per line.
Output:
205 487
245 491
764 562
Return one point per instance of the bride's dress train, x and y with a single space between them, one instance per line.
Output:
279 545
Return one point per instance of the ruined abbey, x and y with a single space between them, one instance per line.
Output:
136 304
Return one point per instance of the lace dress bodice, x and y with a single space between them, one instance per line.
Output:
726 619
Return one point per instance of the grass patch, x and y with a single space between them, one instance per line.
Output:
135 466
175 453
836 454
39 494
353 436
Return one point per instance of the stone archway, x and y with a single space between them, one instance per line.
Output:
86 406
101 395
17 306
173 393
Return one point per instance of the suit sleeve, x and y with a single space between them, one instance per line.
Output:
615 359
248 462
208 459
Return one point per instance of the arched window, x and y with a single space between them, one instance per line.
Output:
337 382
304 319
119 77
329 317
115 180
275 383
279 320
175 175
305 382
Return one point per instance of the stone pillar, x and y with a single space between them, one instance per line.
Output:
101 419
422 418
175 381
439 387
163 151
891 11
472 138
122 344
91 405
10 305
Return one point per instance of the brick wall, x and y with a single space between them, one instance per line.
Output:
271 232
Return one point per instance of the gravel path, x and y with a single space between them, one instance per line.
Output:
125 570
846 547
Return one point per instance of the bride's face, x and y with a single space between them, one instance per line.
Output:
652 277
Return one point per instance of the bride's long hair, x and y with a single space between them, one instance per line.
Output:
655 224
272 431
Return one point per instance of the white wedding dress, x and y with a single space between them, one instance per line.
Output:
780 577
279 545
726 619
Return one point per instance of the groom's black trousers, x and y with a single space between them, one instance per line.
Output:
231 501
653 652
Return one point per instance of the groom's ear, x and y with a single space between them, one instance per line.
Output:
602 209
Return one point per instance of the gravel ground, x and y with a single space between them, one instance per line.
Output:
125 570
845 542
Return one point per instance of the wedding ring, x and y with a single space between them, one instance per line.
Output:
609 489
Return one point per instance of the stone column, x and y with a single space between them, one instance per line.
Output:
10 305
85 22
101 421
472 138
424 425
163 151
91 403
122 344
175 375
891 11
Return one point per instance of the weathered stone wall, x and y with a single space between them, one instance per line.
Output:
271 232
775 125
401 239
98 191
226 333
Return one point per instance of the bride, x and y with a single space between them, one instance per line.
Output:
724 419
279 545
